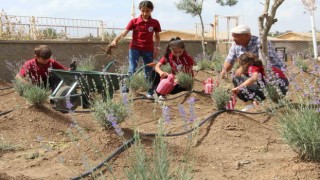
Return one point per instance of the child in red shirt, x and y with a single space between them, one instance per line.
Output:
179 61
36 69
249 87
143 28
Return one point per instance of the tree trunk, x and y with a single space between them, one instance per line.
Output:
202 37
265 23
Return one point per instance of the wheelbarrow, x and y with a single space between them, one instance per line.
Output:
78 85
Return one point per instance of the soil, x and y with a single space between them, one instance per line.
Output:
53 145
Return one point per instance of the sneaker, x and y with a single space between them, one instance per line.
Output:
149 96
248 107
162 97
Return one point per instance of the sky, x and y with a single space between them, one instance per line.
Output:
291 14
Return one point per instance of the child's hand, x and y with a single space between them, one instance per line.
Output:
113 44
164 74
235 90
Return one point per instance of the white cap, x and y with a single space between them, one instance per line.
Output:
241 29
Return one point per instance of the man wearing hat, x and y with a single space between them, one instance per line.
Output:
245 42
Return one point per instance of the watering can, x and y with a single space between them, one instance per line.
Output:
166 85
231 103
209 85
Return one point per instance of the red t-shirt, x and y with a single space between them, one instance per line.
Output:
142 33
183 63
260 70
32 68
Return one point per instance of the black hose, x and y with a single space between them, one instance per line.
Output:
6 112
119 150
5 88
132 140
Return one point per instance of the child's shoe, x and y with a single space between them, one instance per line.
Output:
162 97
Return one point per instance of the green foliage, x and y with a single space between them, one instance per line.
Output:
157 165
302 64
300 128
87 63
217 61
48 33
166 68
138 81
35 95
101 110
221 96
20 87
5 146
185 80
190 7
227 2
204 64
273 93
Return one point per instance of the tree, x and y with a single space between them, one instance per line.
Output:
194 7
311 7
266 20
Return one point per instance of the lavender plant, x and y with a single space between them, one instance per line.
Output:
221 96
302 64
217 61
102 110
137 81
300 128
185 80
36 95
85 63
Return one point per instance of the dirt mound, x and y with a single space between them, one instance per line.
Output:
52 145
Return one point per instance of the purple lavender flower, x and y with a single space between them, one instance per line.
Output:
112 119
69 105
166 114
192 115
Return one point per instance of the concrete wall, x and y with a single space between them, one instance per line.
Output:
63 51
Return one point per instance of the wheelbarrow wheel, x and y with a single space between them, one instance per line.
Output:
61 103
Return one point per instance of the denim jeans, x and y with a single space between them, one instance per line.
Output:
147 57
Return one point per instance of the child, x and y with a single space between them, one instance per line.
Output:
178 60
141 44
249 88
37 68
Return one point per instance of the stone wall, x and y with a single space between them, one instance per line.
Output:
63 51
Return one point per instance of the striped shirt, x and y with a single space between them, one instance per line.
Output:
254 47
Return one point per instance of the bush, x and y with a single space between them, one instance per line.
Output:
87 63
221 97
204 64
302 64
101 110
137 81
36 95
300 128
185 80
217 60
20 87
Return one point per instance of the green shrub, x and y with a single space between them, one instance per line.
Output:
302 64
300 128
85 63
204 64
137 81
166 68
36 95
5 146
157 165
101 110
217 61
221 97
185 80
20 87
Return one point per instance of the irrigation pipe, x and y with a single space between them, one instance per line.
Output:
131 141
6 112
119 150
